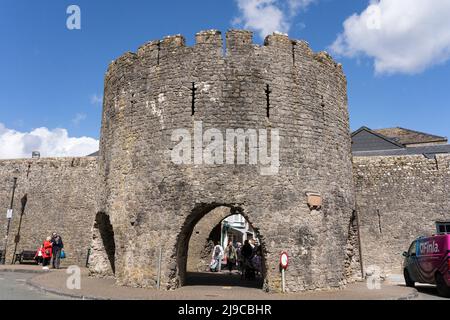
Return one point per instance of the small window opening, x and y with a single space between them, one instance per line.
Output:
193 90
268 92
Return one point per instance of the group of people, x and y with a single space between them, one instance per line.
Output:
52 250
245 258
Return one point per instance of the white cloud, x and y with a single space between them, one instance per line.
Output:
50 143
96 99
402 36
78 118
268 16
296 5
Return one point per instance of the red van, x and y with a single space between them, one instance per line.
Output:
428 261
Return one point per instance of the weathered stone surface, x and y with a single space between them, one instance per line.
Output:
398 200
134 200
153 203
61 197
200 246
101 258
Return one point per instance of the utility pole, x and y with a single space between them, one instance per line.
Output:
9 217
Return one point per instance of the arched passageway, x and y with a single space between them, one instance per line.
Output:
224 226
103 247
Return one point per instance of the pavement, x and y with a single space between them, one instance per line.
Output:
424 291
13 286
200 286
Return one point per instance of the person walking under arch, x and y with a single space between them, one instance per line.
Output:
217 256
230 255
239 259
247 255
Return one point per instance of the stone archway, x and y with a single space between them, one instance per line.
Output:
203 219
198 259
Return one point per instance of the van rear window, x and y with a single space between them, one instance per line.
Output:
412 249
443 227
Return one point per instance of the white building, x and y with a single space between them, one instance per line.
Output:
237 229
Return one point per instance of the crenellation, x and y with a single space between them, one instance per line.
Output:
128 58
279 40
173 42
210 37
325 57
239 40
149 50
120 64
303 48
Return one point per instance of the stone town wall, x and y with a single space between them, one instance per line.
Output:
60 196
399 198
153 203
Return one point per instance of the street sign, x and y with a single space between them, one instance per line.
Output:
284 263
9 214
284 260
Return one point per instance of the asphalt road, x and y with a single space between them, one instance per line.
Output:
13 286
428 292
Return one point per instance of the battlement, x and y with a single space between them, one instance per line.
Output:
237 42
209 37
171 42
280 40
325 58
126 60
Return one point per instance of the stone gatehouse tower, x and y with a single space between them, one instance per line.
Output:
147 202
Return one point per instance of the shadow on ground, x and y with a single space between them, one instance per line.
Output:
221 279
431 290
426 289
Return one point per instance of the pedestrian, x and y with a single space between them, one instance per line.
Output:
217 256
230 255
58 246
239 261
46 252
257 260
252 243
38 256
247 255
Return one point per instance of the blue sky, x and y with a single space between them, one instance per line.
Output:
52 77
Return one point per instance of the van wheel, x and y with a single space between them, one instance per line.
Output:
409 282
442 288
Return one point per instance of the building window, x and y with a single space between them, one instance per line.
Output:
443 227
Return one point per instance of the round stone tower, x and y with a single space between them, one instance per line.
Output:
261 130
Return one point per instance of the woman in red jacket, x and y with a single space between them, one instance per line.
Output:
46 252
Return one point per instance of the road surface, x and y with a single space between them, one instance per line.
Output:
13 286
428 292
